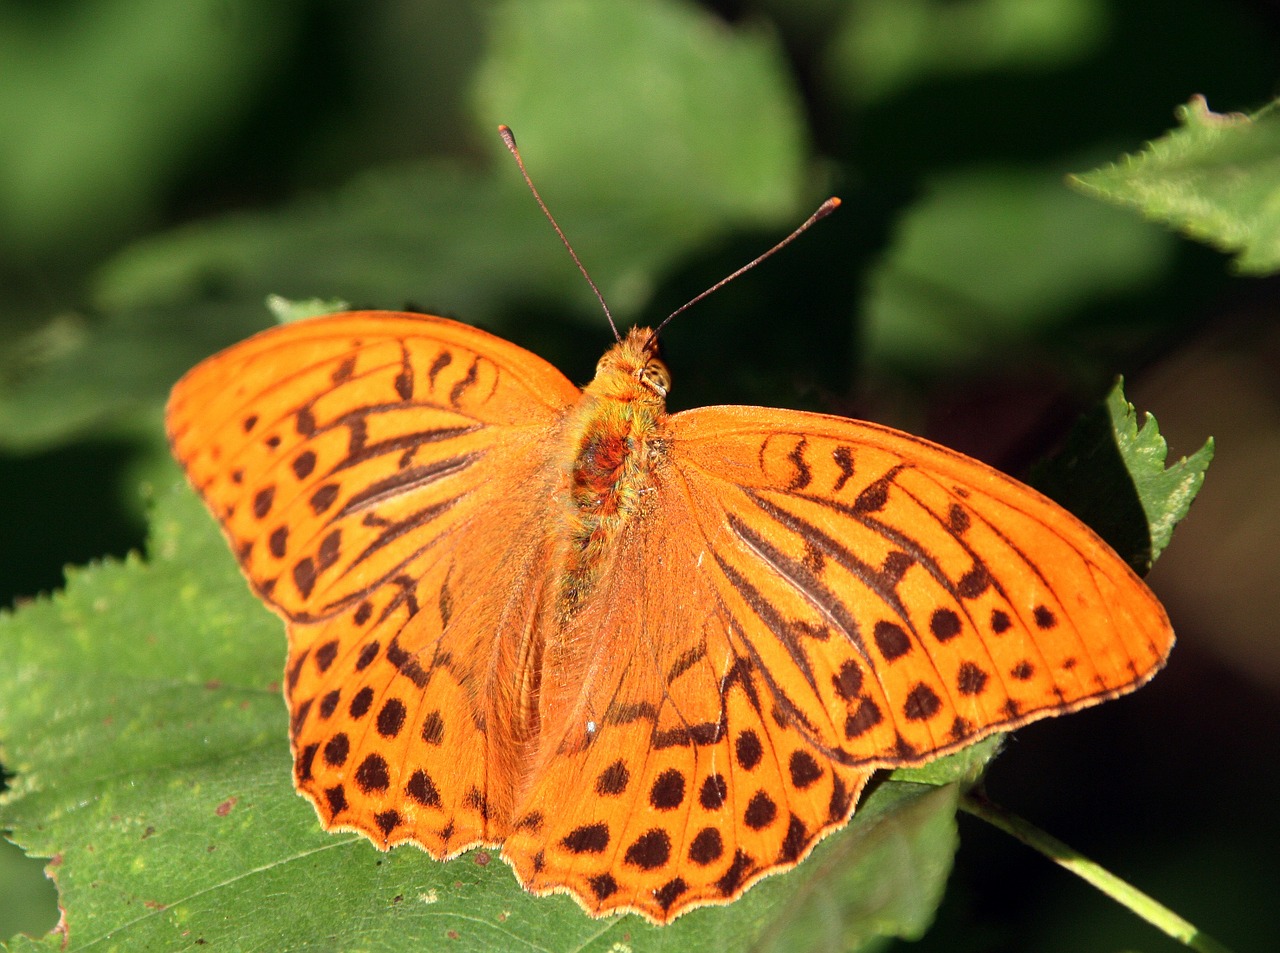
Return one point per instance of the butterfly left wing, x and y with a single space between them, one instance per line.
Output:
370 471
805 599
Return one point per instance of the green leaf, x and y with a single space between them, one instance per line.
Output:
141 717
1111 474
79 374
433 232
884 46
965 767
285 310
883 877
1216 178
987 260
652 109
103 102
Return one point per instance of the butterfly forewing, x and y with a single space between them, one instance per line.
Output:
318 444
919 598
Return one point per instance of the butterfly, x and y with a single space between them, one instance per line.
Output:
653 657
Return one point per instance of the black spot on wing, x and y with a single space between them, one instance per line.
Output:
875 495
464 385
843 457
803 475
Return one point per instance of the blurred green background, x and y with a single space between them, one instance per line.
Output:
165 166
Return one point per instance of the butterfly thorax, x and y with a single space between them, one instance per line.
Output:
615 445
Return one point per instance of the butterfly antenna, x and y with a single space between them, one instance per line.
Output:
825 209
509 138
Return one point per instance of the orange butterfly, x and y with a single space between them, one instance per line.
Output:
652 657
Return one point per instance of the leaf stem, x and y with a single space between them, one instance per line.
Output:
1118 890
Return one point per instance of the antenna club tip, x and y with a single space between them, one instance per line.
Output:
827 207
505 132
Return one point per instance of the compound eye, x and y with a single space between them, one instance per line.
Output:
656 377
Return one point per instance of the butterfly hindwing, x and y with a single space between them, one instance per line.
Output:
689 781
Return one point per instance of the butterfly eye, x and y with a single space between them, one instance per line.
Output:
656 377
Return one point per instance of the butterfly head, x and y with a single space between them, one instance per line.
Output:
633 370
655 374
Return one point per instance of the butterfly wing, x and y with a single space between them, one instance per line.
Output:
801 600
370 471
925 599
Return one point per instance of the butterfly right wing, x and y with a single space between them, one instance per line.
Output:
373 473
797 601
